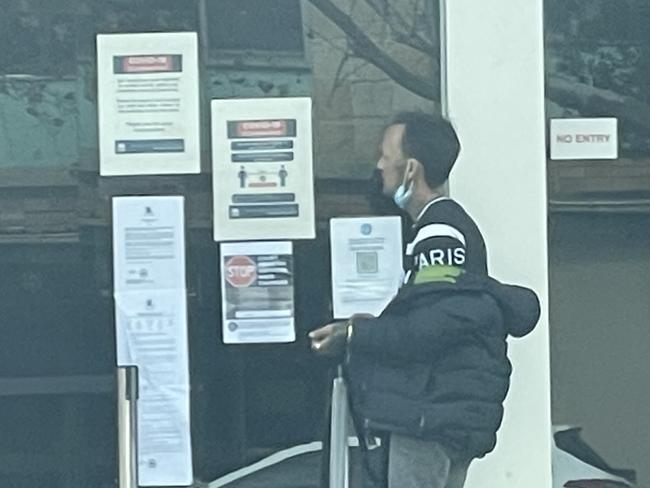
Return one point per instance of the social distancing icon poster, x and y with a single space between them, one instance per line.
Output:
262 169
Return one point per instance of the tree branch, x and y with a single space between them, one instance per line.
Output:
402 32
380 7
337 75
344 50
365 48
585 98
416 42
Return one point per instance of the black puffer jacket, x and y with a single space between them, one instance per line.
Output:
434 364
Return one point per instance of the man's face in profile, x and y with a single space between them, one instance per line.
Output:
391 164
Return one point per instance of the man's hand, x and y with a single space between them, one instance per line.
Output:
362 316
330 339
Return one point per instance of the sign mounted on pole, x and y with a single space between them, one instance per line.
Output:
148 101
262 169
257 292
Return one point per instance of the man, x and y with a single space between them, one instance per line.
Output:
429 375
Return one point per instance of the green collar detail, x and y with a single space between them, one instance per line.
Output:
438 273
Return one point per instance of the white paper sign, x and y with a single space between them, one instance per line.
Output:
148 102
262 169
584 138
152 334
151 331
258 293
148 243
366 264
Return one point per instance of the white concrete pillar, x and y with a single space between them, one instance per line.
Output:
495 98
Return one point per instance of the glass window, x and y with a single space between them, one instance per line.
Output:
353 98
37 41
598 64
256 25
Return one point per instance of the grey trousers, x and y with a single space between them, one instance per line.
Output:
417 463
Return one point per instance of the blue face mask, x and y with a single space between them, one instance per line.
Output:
402 196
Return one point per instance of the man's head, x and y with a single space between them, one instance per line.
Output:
417 150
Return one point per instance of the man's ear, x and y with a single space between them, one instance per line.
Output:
412 168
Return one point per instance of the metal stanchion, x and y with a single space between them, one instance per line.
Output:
339 451
127 396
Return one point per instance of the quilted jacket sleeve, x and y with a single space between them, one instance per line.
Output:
422 330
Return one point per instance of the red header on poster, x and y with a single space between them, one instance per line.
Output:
261 128
139 64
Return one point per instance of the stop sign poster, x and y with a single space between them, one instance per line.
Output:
262 169
257 292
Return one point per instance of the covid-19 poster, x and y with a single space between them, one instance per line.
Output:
262 169
148 103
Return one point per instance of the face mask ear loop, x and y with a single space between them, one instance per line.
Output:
402 195
411 184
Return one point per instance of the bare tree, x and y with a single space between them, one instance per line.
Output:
364 47
417 31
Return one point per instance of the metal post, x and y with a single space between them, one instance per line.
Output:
444 67
444 59
127 434
339 453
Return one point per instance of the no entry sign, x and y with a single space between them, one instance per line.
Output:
241 271
584 138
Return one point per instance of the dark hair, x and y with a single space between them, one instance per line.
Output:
432 140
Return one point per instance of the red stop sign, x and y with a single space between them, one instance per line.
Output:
241 271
